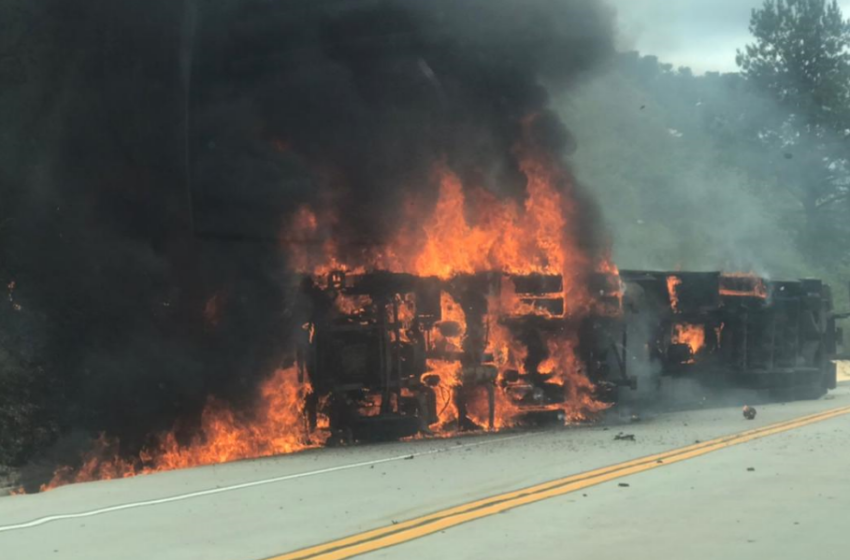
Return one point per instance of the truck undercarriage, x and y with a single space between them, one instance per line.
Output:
391 355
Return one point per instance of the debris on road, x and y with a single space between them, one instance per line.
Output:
751 469
749 412
624 437
623 485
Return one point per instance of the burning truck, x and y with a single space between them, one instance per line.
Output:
733 330
430 264
387 355
391 355
483 312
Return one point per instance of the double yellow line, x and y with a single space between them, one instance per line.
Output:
384 537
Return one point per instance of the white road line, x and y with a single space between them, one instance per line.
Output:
201 493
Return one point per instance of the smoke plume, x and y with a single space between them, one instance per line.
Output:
170 143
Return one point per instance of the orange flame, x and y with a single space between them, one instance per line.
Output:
742 284
673 283
505 236
447 370
351 305
405 314
517 306
449 375
692 335
468 230
453 315
569 371
278 426
506 410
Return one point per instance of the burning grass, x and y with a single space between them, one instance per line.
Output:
277 426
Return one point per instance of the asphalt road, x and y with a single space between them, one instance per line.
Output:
778 494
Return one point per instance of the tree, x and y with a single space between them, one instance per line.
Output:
801 59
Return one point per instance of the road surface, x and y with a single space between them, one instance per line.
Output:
689 485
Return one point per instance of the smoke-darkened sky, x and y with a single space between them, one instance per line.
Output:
702 34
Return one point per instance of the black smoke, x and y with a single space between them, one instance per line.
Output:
155 150
367 96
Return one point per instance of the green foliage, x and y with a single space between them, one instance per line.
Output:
800 57
800 60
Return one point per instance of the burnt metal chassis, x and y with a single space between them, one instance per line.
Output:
782 344
763 345
397 370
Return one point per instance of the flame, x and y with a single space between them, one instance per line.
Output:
505 413
508 353
517 306
371 406
673 283
569 371
309 248
692 335
608 266
562 365
609 300
507 237
742 284
449 375
461 238
447 370
277 426
403 312
452 313
468 230
352 305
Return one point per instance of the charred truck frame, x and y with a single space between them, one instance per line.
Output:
737 330
387 354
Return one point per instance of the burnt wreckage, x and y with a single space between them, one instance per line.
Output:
738 330
378 345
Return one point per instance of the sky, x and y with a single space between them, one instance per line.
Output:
702 34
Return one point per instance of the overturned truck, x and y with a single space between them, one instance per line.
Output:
390 355
739 331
